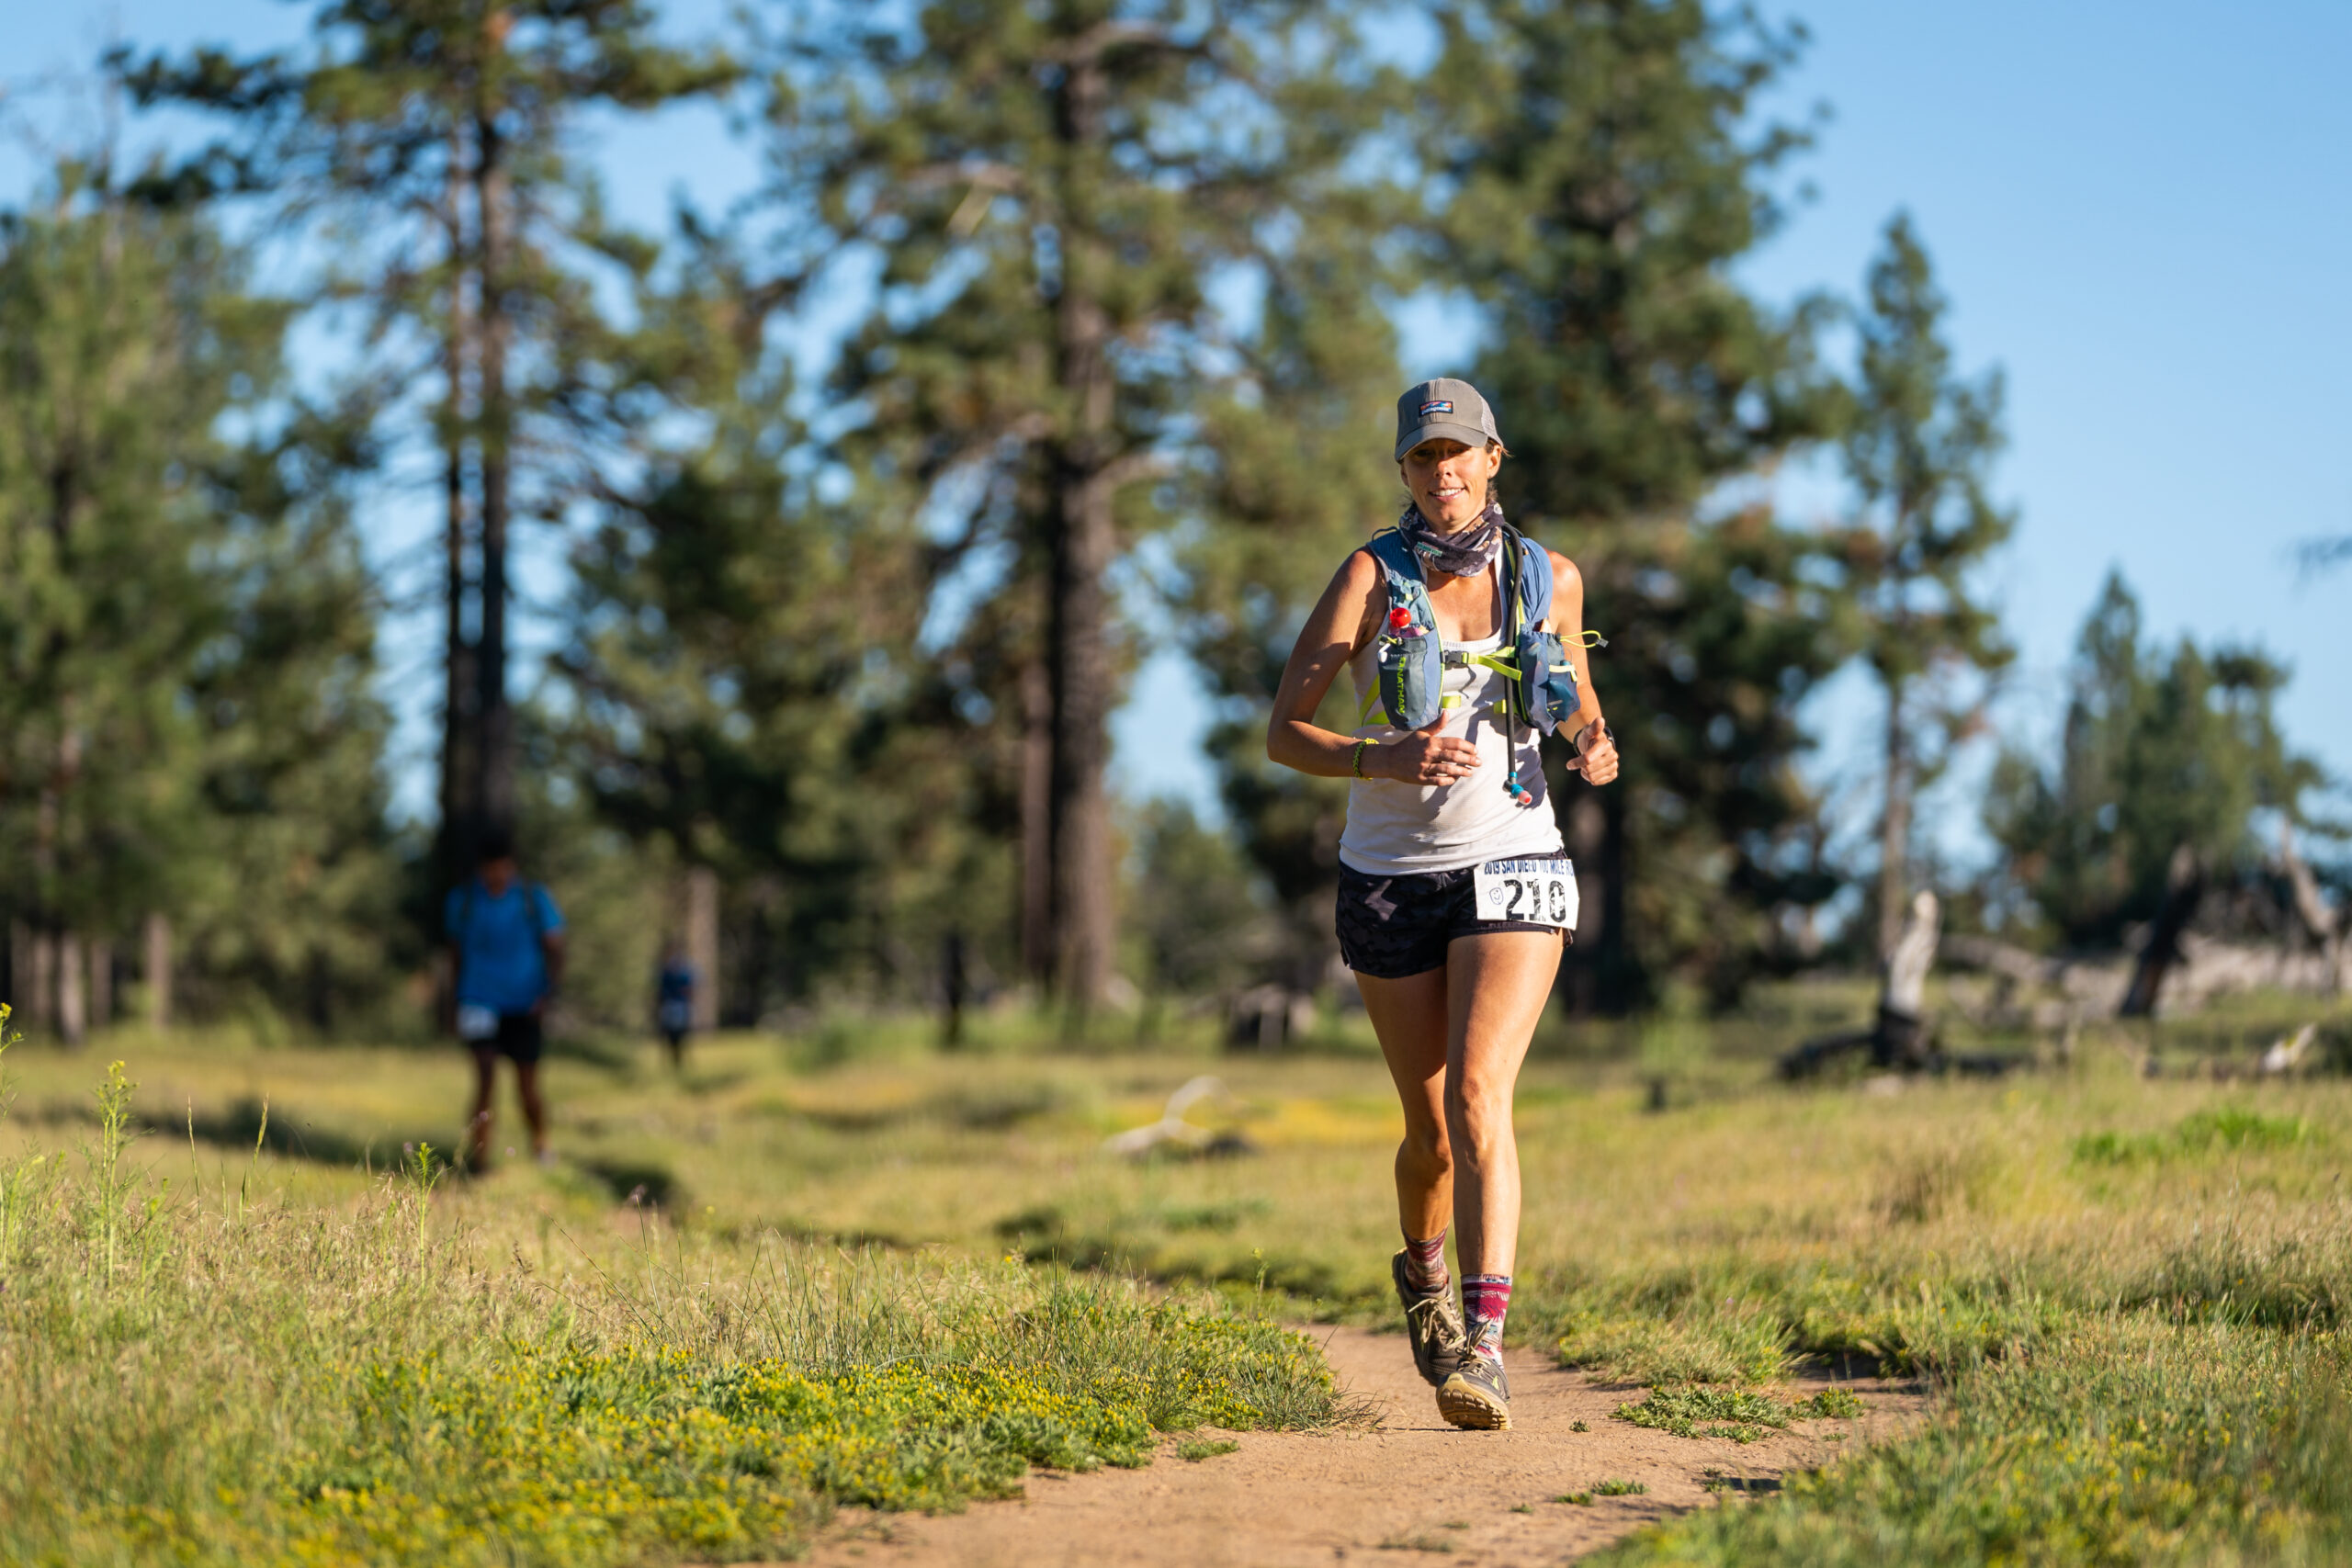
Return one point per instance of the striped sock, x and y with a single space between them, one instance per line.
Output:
1425 1263
1485 1299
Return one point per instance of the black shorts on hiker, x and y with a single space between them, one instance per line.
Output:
518 1038
1394 926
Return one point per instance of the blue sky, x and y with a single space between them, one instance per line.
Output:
2142 213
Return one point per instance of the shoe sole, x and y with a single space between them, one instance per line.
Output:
1471 1408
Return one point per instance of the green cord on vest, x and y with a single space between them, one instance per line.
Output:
1498 665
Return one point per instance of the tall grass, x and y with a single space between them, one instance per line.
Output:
413 1377
2077 1256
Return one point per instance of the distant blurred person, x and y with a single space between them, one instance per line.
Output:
506 939
674 1002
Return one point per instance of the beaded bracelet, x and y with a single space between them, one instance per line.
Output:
1357 767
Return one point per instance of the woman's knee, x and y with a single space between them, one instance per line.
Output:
1478 1114
1429 1148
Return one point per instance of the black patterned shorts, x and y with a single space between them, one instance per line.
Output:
1391 927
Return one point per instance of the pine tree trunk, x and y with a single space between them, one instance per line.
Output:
1601 973
73 998
101 983
1078 662
1037 825
156 970
29 964
42 993
1622 980
1083 916
460 796
1895 826
1587 830
702 942
496 197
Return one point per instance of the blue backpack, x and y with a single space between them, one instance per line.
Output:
1412 658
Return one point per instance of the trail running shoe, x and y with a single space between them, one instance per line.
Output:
1477 1394
1433 1325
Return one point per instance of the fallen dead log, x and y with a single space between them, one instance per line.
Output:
1901 1039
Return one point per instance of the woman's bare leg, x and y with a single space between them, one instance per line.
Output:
1495 985
1409 1017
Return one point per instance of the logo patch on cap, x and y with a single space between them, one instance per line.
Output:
1442 405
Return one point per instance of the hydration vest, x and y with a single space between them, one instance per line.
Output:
1540 689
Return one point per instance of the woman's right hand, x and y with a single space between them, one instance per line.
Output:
1424 756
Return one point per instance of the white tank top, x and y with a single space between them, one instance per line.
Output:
1397 830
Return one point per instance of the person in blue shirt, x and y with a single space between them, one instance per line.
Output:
506 941
674 1002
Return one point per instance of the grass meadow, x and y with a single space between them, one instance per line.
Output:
242 1319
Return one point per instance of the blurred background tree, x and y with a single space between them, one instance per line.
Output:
1052 193
2163 754
1596 170
192 734
432 137
1055 337
748 683
1919 446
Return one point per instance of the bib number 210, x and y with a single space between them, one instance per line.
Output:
1541 892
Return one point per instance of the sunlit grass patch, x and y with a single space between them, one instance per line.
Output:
1727 1345
1744 1418
2123 1441
203 1375
439 1418
1947 1233
2222 1128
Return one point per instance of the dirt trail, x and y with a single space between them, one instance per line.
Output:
1412 1481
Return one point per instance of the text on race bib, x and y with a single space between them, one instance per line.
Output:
1542 892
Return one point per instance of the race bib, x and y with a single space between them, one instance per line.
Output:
476 1021
1542 892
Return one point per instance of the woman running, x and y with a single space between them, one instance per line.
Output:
1453 899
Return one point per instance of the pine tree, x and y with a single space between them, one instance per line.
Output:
116 348
2161 752
291 887
189 726
1918 450
750 687
1597 169
432 135
1051 188
1288 497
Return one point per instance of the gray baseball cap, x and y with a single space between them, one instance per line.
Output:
1443 410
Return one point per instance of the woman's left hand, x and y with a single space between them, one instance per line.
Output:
1599 756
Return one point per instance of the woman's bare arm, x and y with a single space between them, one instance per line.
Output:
1600 751
1342 622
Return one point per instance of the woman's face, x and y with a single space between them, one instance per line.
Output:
1449 482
